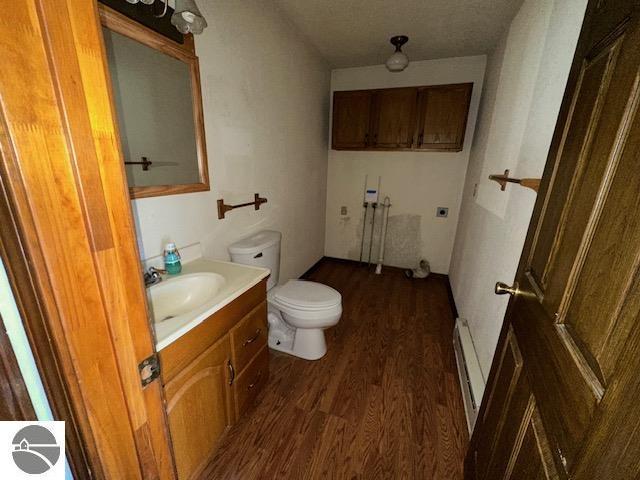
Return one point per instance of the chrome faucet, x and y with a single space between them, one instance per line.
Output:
152 276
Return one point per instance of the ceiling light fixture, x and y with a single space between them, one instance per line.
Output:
187 17
398 61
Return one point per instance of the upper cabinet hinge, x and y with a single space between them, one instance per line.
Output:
149 369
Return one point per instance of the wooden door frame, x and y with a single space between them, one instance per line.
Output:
67 239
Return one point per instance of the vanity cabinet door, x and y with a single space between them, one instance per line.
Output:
199 407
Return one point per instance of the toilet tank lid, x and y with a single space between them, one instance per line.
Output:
255 243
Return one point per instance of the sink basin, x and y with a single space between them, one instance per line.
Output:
181 295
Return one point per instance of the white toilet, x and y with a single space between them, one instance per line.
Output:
299 310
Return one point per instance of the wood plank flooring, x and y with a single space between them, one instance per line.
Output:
384 402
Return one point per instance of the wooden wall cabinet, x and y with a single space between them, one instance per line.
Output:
430 118
212 375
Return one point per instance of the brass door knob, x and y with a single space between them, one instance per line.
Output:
504 289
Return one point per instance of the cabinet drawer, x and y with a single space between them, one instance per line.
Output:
249 336
251 381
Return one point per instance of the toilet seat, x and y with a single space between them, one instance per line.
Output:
307 296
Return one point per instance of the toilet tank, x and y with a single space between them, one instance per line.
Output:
261 250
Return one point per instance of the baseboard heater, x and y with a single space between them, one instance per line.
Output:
471 379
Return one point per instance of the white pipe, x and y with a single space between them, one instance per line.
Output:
373 220
383 234
365 204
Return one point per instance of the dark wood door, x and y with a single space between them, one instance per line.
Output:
394 116
442 116
562 396
351 119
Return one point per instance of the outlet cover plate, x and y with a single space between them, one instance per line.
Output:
442 212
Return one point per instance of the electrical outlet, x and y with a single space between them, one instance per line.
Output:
442 212
343 210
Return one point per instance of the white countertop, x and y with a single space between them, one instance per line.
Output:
238 279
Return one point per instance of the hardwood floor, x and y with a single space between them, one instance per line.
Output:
383 403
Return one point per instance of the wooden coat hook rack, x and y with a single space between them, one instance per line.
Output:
223 208
532 183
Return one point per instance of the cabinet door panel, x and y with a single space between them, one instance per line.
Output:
394 117
517 447
351 117
198 407
442 113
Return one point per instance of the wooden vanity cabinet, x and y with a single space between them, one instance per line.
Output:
211 375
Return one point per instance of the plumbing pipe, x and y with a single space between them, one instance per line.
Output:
383 234
373 220
373 224
365 204
364 226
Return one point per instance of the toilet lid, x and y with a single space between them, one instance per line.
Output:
308 295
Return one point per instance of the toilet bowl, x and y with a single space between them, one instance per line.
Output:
298 311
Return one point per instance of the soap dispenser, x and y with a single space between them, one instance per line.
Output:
172 259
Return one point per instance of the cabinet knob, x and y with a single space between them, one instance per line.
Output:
253 338
255 382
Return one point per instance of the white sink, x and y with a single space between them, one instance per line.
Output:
180 303
182 295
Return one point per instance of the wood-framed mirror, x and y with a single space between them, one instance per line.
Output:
158 102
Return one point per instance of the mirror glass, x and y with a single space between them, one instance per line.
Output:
154 104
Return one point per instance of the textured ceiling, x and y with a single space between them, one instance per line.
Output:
350 33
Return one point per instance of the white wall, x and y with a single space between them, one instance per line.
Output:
416 182
526 77
266 97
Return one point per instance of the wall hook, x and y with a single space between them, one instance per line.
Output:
532 183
